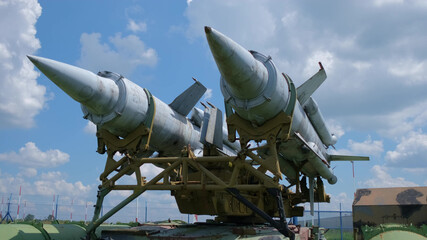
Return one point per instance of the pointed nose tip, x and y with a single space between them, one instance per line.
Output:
96 93
33 59
243 74
208 29
69 78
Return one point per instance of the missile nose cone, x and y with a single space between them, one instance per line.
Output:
245 76
33 59
208 29
94 92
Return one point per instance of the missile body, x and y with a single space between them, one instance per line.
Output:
257 92
119 106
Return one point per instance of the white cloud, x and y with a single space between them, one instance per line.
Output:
341 198
28 172
21 97
384 3
383 179
411 152
408 118
136 26
335 128
31 156
376 71
368 147
254 21
380 3
90 128
54 183
416 171
414 72
289 18
208 94
312 62
45 184
361 66
150 171
122 55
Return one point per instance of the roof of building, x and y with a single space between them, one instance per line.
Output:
391 196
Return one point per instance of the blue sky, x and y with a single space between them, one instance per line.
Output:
374 98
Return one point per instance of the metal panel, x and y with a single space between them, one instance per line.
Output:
188 99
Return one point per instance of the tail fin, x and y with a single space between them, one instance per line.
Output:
211 130
310 86
188 99
347 158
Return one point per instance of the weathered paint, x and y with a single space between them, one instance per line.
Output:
394 232
38 231
206 231
252 85
402 205
119 106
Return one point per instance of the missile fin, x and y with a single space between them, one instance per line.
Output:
211 131
310 86
214 131
311 149
188 99
347 158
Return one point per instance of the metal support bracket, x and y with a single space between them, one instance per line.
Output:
282 225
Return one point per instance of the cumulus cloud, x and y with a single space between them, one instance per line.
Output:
415 72
208 94
45 184
385 3
54 183
90 128
337 199
150 171
255 22
31 156
383 179
375 62
335 128
380 3
368 147
410 152
136 26
408 118
325 57
21 97
27 172
122 54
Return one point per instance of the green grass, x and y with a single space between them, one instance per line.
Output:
333 234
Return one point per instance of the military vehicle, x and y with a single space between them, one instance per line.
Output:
272 129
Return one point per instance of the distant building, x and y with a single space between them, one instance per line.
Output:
402 205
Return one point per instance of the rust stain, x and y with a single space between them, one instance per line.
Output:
360 193
409 196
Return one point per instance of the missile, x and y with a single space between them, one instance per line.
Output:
253 87
118 105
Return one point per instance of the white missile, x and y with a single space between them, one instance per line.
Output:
257 92
119 106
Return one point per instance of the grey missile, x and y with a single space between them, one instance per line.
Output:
246 82
119 106
252 85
